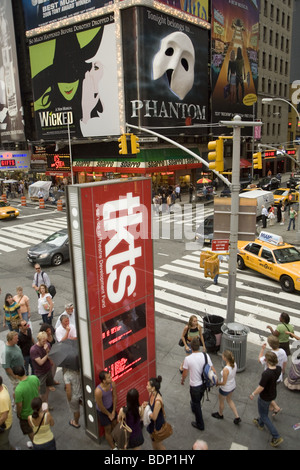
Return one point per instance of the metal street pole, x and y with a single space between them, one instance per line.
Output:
236 123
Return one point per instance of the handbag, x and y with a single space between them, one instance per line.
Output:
121 434
164 432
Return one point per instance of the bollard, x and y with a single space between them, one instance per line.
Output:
59 205
42 203
23 201
3 197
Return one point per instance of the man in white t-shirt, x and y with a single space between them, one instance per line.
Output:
65 330
69 311
194 364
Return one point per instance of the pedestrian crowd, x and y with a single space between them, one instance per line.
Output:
279 213
30 366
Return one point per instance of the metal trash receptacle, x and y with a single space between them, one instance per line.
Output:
234 339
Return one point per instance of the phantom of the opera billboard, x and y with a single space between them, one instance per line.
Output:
112 264
74 78
234 61
165 72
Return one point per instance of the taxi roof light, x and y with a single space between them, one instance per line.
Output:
271 238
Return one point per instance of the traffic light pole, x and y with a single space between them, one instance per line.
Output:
236 124
186 150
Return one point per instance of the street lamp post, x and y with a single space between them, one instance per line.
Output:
236 124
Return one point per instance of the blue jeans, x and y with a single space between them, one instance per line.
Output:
263 410
196 397
290 223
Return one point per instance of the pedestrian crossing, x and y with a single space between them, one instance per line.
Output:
27 234
182 290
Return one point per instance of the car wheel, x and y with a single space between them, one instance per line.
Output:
57 259
287 284
240 262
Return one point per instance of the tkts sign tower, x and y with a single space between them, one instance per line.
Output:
112 261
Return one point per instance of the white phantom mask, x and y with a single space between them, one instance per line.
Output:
176 58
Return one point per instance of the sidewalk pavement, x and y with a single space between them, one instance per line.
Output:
219 435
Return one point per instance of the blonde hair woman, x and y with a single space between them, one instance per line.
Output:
227 387
192 330
23 301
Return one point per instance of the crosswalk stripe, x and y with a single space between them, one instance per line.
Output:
13 242
28 234
180 301
6 248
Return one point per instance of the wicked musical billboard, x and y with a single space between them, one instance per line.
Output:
234 61
74 79
165 72
39 13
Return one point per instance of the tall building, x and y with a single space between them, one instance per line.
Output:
276 28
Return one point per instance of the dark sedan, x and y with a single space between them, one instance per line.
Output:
205 231
268 183
53 250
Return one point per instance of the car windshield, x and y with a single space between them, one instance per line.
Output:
57 239
287 255
280 192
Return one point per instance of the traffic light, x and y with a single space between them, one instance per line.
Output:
122 144
257 161
135 146
211 266
216 156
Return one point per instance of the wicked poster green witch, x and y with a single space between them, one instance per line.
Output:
65 82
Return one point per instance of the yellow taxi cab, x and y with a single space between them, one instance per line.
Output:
269 255
286 196
7 211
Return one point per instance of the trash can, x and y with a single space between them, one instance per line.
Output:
214 324
234 339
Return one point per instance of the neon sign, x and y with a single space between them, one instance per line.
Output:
8 162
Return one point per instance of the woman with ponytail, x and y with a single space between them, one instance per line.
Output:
41 422
227 386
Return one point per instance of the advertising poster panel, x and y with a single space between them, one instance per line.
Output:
39 13
74 77
112 262
193 7
234 61
165 72
11 117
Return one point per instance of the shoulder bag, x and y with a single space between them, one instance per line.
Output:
164 432
121 434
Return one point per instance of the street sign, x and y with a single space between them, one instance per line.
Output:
220 245
247 218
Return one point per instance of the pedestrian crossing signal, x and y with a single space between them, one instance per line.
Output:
211 266
257 161
122 144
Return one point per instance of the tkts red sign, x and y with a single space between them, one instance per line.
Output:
112 235
120 235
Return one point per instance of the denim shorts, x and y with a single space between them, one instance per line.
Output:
223 393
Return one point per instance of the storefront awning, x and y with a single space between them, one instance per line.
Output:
245 163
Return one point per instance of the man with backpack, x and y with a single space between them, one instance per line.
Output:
40 277
194 364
